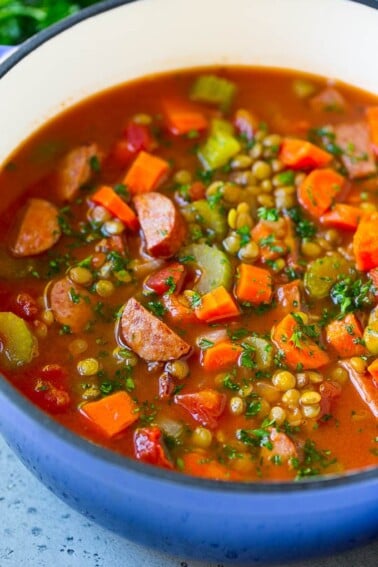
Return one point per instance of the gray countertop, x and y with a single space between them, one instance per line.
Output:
37 529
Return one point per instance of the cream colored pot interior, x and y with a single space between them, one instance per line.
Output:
334 38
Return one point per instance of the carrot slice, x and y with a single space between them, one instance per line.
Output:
303 353
254 285
108 198
365 243
342 216
112 414
372 116
222 355
196 464
300 154
182 119
318 190
271 247
215 305
145 173
345 336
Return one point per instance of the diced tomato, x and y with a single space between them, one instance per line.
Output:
205 406
148 447
169 279
137 137
51 398
166 386
329 392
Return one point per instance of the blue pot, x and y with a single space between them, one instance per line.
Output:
208 520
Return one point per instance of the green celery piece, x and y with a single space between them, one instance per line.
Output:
215 267
18 344
219 126
218 150
323 273
213 89
263 354
209 217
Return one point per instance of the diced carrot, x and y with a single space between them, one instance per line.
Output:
112 414
318 190
182 118
342 216
365 243
345 336
145 173
108 198
205 406
196 465
197 191
168 279
373 371
365 386
222 355
300 154
254 285
306 355
372 116
215 305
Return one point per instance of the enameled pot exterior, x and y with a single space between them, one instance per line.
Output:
246 524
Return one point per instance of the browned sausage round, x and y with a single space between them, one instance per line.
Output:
70 304
36 230
162 225
74 170
147 336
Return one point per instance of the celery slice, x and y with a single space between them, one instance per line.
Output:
263 354
17 343
213 264
213 89
218 150
219 126
209 217
323 273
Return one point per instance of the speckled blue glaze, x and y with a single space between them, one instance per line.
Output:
250 524
242 524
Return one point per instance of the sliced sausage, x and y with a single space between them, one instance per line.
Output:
36 229
354 140
147 336
162 225
74 170
70 304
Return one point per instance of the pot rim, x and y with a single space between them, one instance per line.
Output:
95 451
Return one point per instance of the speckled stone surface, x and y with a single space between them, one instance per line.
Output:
38 530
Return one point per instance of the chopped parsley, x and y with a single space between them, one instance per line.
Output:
351 295
268 214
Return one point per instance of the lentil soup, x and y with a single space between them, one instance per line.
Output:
189 273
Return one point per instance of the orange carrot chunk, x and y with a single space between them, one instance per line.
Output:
215 305
372 116
222 355
373 371
318 190
113 414
145 173
182 119
196 465
108 198
365 243
345 336
299 350
254 285
342 216
300 154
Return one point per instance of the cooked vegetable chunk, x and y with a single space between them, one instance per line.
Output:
18 345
